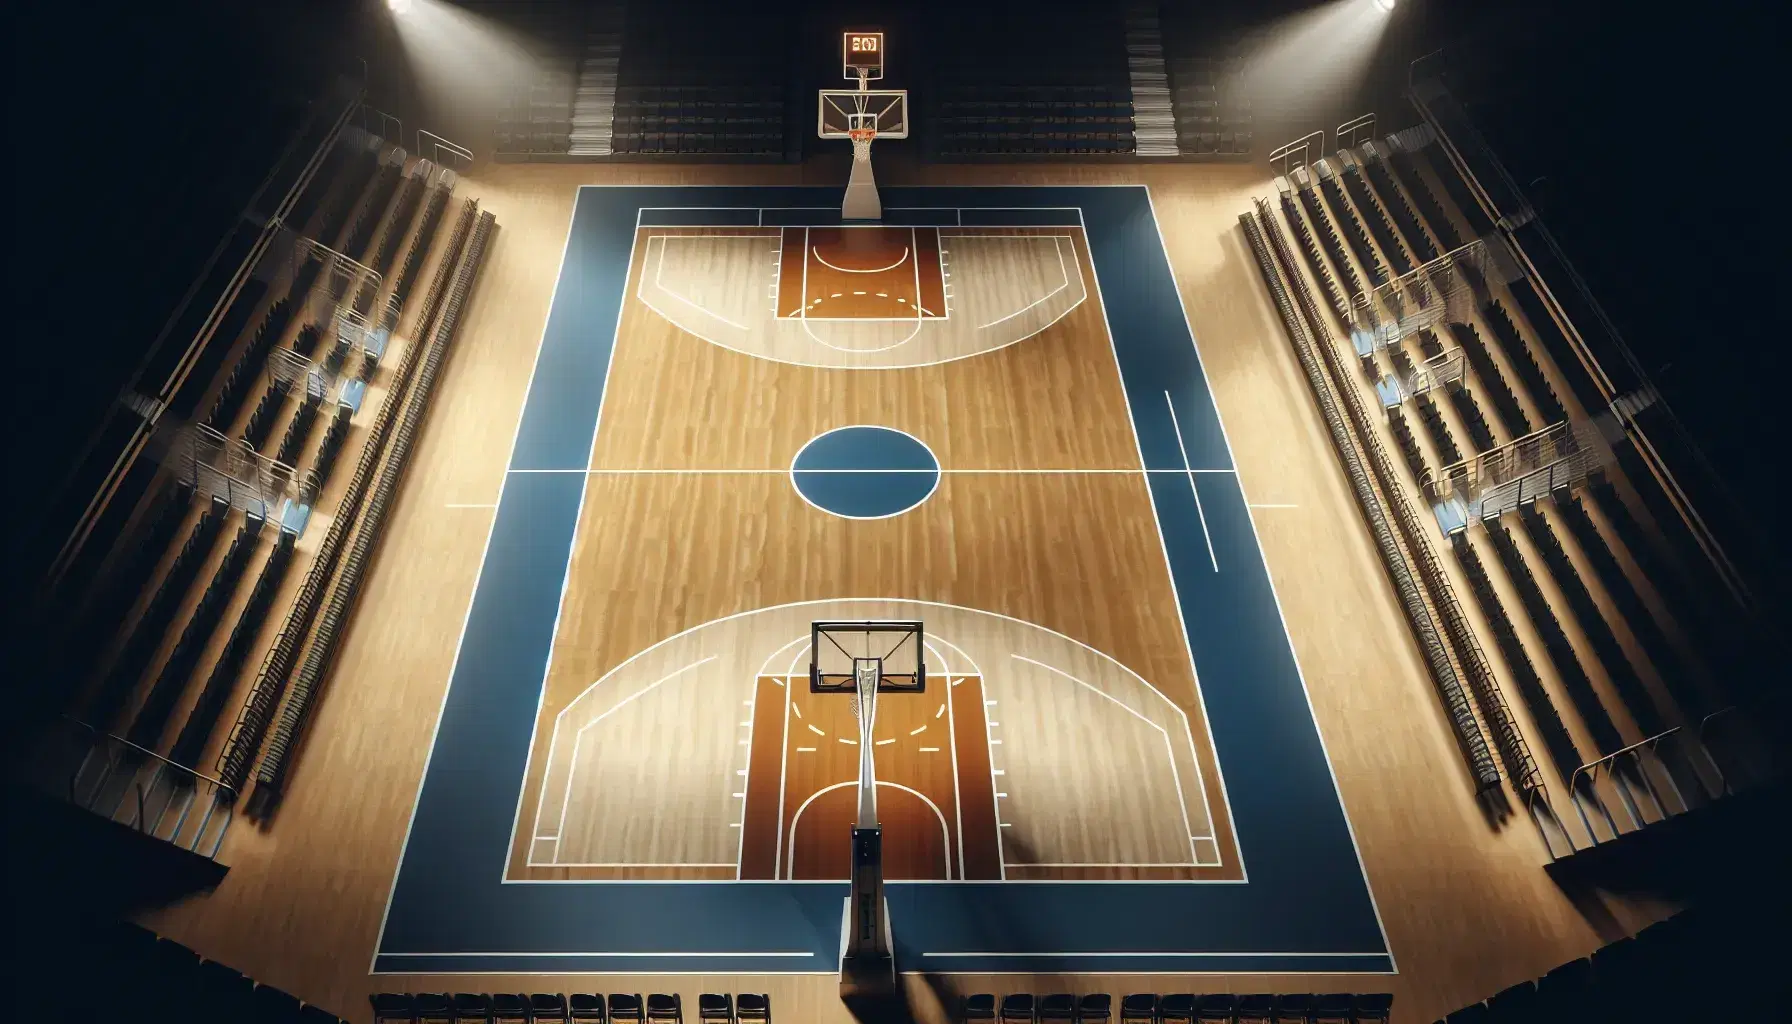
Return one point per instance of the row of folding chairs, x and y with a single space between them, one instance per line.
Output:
1182 1008
163 980
560 1008
1674 969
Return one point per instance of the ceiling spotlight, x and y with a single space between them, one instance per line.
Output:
1384 5
401 6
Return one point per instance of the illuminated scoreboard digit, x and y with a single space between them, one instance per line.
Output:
864 50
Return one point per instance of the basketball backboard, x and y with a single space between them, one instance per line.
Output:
845 109
837 649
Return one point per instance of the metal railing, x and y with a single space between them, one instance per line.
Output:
1299 153
135 786
1261 234
1514 752
1357 129
1646 789
436 149
79 535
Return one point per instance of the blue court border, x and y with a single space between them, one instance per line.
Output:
1306 907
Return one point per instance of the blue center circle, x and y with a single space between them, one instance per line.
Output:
863 472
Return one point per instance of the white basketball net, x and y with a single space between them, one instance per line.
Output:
861 142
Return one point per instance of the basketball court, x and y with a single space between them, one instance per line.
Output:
1110 741
885 539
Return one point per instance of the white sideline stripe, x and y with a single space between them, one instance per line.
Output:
751 471
1177 428
629 954
1106 864
1174 953
1163 546
1306 691
485 550
633 864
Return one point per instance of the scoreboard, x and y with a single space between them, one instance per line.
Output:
864 53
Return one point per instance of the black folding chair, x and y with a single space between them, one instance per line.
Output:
1217 1008
1332 1008
510 1008
224 994
1138 1008
1566 992
1179 1008
665 1006
1256 1008
1514 1005
1056 1006
270 1005
473 1006
172 973
715 1006
753 1006
1018 1008
1293 1008
1373 1006
434 1008
1095 1007
979 1006
393 1008
626 1006
585 1006
548 1008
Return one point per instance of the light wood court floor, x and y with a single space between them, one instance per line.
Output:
689 518
1467 907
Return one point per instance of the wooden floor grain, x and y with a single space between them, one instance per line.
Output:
1467 906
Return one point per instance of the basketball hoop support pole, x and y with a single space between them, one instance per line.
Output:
861 201
867 963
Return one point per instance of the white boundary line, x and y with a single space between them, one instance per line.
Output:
478 574
630 954
792 674
572 766
659 270
398 867
784 760
1188 648
795 819
906 250
801 314
1169 749
1263 557
1063 283
1176 427
578 517
1145 953
922 500
1108 864
950 472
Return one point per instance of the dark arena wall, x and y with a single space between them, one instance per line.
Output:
1315 440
